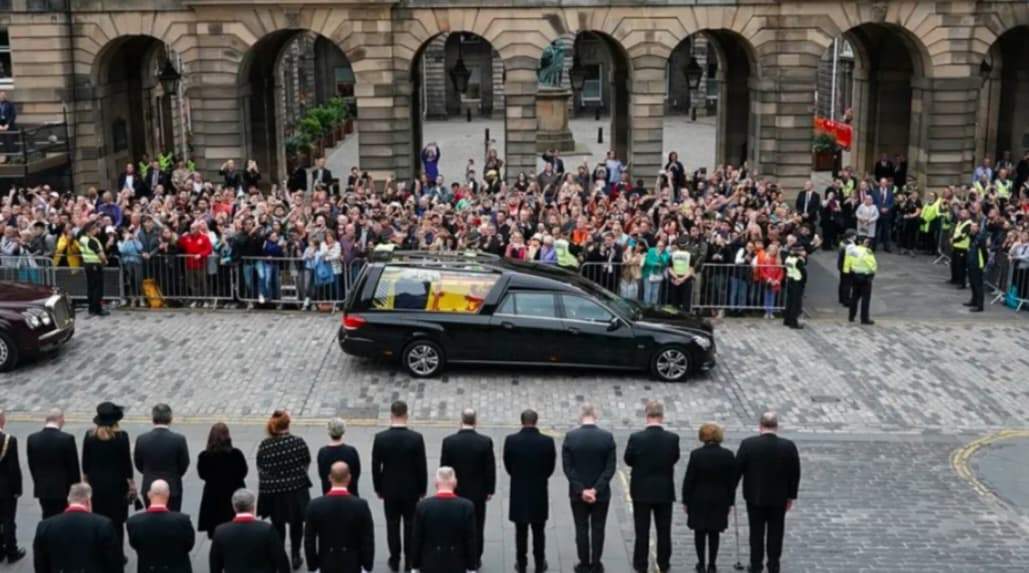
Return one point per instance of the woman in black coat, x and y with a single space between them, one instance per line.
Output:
223 469
107 466
708 491
337 451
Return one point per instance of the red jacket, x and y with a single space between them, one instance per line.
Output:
195 244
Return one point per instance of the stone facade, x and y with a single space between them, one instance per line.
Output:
771 49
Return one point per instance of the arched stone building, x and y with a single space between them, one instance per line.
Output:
921 87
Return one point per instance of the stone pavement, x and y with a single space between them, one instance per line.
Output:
901 375
886 418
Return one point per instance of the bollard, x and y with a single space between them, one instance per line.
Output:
487 136
596 113
468 113
600 135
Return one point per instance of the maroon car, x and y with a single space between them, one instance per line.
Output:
33 320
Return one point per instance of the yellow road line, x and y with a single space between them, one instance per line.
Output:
960 458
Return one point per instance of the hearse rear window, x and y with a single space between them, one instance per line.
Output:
432 290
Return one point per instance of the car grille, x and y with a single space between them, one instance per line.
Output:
60 310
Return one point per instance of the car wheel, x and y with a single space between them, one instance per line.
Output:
8 353
422 358
671 364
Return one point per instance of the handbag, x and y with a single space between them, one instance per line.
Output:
323 274
1011 297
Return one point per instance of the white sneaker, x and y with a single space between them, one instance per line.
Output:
193 305
260 299
307 303
250 306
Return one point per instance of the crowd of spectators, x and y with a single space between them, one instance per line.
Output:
646 239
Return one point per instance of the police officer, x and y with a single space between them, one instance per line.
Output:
795 263
959 244
94 259
976 263
860 262
843 291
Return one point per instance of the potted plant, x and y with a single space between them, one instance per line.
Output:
824 147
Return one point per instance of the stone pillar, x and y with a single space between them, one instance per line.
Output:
782 108
552 119
646 116
520 115
947 116
434 74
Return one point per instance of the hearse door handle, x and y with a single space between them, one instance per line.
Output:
507 325
573 330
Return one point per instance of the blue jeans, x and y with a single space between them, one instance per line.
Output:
248 279
737 292
269 276
769 299
651 291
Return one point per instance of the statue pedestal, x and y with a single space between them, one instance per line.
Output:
552 120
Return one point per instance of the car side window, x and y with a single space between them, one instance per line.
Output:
529 304
579 308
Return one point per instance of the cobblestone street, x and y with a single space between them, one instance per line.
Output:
879 415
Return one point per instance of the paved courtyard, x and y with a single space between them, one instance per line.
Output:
904 468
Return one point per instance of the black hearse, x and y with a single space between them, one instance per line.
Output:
427 310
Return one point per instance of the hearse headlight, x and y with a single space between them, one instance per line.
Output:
702 341
36 317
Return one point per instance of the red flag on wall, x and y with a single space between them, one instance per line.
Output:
844 133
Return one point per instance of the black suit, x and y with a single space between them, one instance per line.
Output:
444 535
400 478
162 454
529 457
810 204
340 534
321 177
246 546
137 185
163 540
10 491
652 455
155 177
588 457
885 169
471 455
770 469
54 465
76 541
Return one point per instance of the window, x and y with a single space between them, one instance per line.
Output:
529 304
431 290
593 87
578 308
5 58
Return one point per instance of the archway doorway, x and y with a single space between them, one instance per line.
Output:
457 106
1002 129
709 120
598 73
138 119
286 78
882 68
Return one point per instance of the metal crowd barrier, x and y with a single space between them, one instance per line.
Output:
997 277
944 234
27 269
293 281
718 287
1018 286
183 279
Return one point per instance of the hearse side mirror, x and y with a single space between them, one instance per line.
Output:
614 324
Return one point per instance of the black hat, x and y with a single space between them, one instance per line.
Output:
108 414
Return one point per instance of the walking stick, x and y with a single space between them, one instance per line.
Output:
738 566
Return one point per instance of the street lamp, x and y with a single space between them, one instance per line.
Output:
693 73
577 75
985 71
460 74
169 77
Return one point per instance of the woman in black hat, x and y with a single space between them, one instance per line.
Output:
107 466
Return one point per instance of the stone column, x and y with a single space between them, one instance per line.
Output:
520 115
782 109
947 114
646 116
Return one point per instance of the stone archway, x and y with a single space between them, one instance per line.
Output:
271 104
889 84
137 119
1003 117
731 67
434 95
